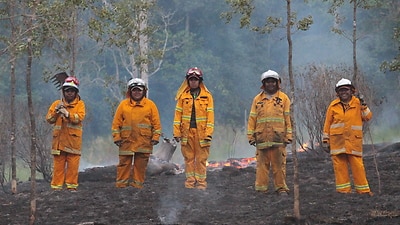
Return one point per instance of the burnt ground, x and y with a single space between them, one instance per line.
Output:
229 199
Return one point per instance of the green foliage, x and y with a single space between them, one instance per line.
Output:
244 8
305 23
394 64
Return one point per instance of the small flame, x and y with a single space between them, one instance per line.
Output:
303 147
237 163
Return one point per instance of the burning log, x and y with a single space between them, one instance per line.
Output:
159 162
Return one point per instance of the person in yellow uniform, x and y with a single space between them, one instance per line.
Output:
136 128
269 129
343 137
66 115
194 126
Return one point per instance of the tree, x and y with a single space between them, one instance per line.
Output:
130 30
334 10
245 8
11 47
31 26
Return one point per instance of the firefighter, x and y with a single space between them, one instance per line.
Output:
270 130
66 115
136 128
343 137
194 126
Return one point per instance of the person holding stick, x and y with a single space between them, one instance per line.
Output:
343 138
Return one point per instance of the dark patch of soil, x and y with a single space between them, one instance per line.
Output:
229 199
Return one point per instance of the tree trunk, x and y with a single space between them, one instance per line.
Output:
32 128
13 59
73 39
355 41
296 193
143 45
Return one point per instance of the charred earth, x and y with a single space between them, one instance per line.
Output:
229 199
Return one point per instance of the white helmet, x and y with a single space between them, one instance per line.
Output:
343 82
270 74
137 82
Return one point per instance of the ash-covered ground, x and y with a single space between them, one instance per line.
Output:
229 199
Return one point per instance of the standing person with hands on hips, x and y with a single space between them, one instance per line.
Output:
66 115
194 126
343 137
269 129
136 128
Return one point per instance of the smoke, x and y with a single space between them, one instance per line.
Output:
169 211
170 207
385 122
83 164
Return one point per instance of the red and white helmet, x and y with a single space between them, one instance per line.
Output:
194 72
71 82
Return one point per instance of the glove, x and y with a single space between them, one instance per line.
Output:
362 101
177 139
252 142
64 111
59 106
325 146
208 138
118 143
154 142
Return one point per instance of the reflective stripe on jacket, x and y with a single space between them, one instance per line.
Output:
67 132
269 121
136 124
343 129
204 110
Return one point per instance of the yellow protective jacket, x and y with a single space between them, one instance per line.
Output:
136 124
67 132
204 106
343 129
269 123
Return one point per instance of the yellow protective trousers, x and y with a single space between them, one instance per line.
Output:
138 170
65 168
195 158
341 169
267 158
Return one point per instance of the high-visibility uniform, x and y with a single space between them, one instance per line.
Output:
194 144
67 142
343 132
136 124
269 125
